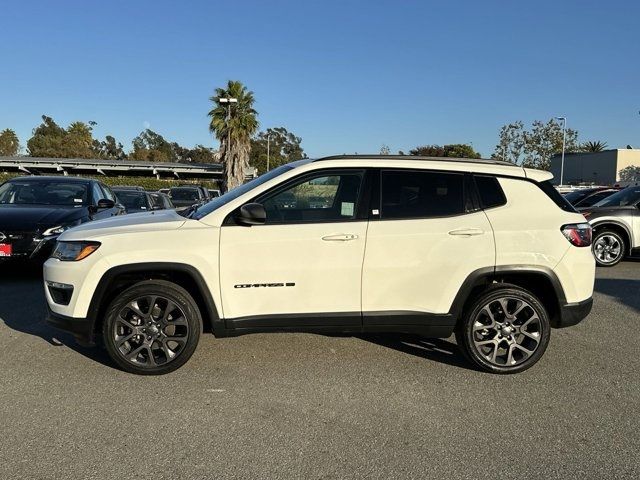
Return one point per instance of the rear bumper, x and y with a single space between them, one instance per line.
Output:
573 313
81 328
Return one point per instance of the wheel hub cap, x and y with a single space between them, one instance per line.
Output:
506 331
150 331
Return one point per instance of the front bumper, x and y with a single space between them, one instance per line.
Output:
31 248
81 328
573 313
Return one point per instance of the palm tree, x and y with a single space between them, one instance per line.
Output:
233 124
591 146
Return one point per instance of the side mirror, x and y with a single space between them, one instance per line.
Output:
251 214
104 204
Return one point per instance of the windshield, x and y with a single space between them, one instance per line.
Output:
184 194
132 200
628 196
236 192
54 192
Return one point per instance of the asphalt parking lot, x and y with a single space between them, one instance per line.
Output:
313 406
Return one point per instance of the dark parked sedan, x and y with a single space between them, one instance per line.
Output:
589 196
35 210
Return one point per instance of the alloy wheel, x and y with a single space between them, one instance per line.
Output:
507 331
150 331
607 248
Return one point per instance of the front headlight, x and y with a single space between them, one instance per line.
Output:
74 251
57 230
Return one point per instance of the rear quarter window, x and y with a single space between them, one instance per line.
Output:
489 191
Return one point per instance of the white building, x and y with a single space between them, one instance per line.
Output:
598 168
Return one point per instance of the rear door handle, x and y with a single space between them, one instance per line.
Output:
341 237
466 232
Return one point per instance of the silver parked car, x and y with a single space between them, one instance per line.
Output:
616 226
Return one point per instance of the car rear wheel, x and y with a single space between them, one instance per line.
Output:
608 248
505 330
152 328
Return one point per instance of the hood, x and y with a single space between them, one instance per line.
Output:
33 217
598 212
157 220
606 210
184 203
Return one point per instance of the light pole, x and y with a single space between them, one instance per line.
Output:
268 148
564 137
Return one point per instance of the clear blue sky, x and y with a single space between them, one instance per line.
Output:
346 76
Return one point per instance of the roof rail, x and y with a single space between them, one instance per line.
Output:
415 157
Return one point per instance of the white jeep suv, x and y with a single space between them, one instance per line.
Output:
348 244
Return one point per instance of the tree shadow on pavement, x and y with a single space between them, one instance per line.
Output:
23 309
435 349
624 290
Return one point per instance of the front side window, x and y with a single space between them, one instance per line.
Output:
98 194
108 194
421 194
320 198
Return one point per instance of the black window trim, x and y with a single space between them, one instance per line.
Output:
361 203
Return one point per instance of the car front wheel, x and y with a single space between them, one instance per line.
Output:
505 330
152 328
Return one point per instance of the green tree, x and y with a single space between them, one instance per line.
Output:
51 140
282 145
593 146
534 147
9 143
233 124
198 154
630 174
385 150
152 147
47 139
510 146
455 150
109 148
544 140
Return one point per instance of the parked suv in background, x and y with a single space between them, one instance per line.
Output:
451 246
35 210
185 197
616 226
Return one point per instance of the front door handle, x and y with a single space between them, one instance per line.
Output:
466 232
341 237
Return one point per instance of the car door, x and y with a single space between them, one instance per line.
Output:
425 238
303 267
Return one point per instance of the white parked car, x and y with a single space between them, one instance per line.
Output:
485 249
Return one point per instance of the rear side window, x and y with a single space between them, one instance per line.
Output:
554 195
490 191
421 194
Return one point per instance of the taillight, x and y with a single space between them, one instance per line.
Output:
579 234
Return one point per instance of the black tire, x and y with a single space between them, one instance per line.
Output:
529 333
604 244
157 318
